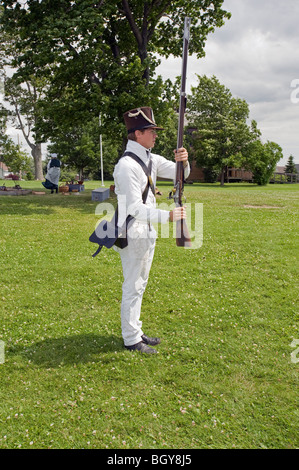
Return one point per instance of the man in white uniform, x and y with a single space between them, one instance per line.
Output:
130 182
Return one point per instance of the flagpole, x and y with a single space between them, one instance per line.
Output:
101 150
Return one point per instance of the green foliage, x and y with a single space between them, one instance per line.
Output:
222 138
67 175
15 158
220 123
80 148
210 175
102 56
22 94
167 139
280 178
77 147
290 166
262 160
29 176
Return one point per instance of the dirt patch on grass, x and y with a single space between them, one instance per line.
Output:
247 206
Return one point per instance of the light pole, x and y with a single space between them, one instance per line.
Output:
101 151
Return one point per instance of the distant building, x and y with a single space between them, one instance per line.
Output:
232 175
280 169
280 176
196 173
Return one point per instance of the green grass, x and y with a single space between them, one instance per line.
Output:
227 314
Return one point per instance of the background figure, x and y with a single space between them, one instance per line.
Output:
53 174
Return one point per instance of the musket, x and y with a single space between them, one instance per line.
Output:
182 233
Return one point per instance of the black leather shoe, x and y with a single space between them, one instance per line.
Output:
150 341
141 347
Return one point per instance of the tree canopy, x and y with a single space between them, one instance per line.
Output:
80 59
220 123
290 166
101 56
222 136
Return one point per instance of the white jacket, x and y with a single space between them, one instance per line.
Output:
130 182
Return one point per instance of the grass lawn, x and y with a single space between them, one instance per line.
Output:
227 314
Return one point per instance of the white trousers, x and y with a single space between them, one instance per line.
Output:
136 261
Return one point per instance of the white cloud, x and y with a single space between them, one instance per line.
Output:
255 54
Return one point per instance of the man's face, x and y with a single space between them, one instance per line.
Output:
146 138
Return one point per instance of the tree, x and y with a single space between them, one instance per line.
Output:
73 31
290 166
14 157
3 124
220 122
262 159
24 98
11 154
101 56
22 93
80 148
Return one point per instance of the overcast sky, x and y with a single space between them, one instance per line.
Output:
256 56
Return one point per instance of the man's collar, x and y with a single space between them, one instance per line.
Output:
139 150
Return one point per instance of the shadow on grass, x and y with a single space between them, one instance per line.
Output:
217 185
47 204
69 350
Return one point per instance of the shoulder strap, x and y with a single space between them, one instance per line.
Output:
138 160
147 171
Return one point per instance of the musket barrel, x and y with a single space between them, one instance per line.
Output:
182 234
183 95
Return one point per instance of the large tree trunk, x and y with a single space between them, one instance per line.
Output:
36 151
222 176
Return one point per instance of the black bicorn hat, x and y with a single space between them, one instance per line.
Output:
140 118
